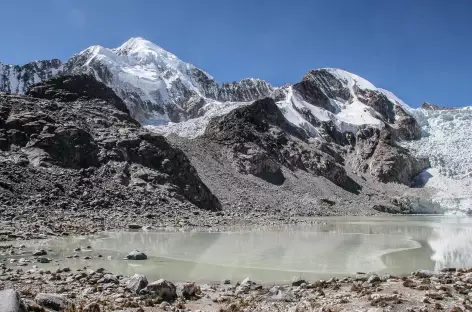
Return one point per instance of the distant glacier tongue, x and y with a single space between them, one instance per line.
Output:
447 141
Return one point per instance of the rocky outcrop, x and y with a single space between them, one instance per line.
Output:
245 90
72 145
318 86
378 101
260 141
377 153
406 127
80 87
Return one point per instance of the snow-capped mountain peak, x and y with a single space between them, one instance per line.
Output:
351 79
143 52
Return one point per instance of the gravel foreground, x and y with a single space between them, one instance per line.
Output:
88 290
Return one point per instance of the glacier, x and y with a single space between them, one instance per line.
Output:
447 141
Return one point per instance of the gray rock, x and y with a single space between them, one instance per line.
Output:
274 290
373 279
52 301
244 287
424 273
136 255
10 301
163 289
297 281
40 252
108 278
43 260
187 290
134 226
136 283
361 277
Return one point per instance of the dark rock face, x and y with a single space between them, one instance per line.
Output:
189 109
69 147
318 86
260 141
406 127
376 153
73 88
379 102
244 91
73 145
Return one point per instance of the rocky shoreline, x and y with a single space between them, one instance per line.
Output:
88 290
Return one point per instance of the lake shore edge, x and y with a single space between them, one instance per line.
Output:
100 290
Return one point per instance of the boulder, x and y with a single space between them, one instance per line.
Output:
40 252
136 255
187 290
163 289
43 260
244 287
297 281
374 278
10 301
136 283
424 273
52 301
108 278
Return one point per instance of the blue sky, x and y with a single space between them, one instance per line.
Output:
419 49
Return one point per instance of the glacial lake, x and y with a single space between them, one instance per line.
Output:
334 246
